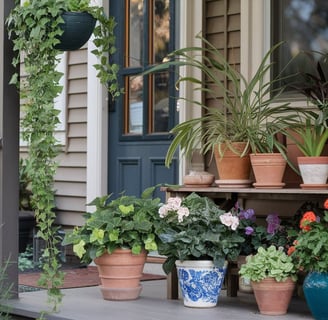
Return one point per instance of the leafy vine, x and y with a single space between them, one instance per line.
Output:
35 29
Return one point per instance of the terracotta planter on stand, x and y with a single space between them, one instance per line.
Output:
273 297
268 169
314 172
234 170
120 274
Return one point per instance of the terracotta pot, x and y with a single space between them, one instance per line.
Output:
273 297
230 165
268 169
120 274
314 171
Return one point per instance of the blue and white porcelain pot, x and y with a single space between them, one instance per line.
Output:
200 282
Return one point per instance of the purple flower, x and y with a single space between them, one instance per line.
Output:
249 230
273 223
247 214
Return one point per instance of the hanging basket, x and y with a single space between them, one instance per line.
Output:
77 27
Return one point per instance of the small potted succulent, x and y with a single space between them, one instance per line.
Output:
273 275
117 237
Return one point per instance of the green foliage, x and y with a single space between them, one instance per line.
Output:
125 222
310 137
35 29
25 193
314 84
243 111
5 291
270 262
192 229
311 246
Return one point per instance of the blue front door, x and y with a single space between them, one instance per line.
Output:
140 120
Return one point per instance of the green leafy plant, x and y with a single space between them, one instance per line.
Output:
243 110
25 193
310 251
5 291
270 262
314 83
310 137
195 228
35 28
125 222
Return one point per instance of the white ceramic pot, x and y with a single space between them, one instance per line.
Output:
314 171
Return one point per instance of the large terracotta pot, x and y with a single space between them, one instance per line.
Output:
200 282
232 168
314 172
268 169
120 274
273 297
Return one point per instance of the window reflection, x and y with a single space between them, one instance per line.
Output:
303 25
135 105
161 102
161 30
136 43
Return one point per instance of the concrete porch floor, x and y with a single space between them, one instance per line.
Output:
87 303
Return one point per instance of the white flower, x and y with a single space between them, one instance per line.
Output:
163 211
230 220
182 212
174 203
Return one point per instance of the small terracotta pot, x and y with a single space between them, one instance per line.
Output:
273 297
230 165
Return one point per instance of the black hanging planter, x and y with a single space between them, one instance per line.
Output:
77 27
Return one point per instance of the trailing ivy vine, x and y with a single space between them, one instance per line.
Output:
34 28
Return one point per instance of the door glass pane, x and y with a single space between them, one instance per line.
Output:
136 43
135 103
161 102
161 30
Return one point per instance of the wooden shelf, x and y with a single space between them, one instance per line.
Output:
253 193
233 194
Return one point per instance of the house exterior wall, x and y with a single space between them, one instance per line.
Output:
222 28
80 175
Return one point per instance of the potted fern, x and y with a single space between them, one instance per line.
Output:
272 275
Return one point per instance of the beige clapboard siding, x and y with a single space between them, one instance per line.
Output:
71 175
222 28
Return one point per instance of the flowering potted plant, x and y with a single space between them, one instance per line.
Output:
119 233
273 275
310 253
195 231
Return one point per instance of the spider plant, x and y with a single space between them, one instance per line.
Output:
243 110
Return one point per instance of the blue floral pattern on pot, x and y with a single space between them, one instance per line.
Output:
201 285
